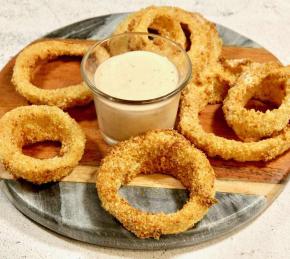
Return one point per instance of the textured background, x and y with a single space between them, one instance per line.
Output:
265 21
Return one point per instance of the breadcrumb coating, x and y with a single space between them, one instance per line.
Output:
26 62
30 124
193 103
249 124
159 151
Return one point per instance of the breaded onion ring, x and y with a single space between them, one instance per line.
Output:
31 124
193 103
249 124
128 24
161 24
221 77
26 62
224 75
218 83
203 44
160 151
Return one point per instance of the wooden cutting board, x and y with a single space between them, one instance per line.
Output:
249 178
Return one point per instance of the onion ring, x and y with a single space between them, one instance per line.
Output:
249 124
205 45
271 93
159 151
224 76
193 102
31 124
128 24
161 24
26 62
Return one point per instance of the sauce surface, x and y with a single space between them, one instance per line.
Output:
136 75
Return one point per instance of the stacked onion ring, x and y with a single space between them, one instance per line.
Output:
194 102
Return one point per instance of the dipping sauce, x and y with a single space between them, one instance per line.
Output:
136 80
136 75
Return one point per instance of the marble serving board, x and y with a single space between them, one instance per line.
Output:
72 207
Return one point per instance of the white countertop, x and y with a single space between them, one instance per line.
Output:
265 21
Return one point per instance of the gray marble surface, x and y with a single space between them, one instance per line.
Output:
73 210
265 21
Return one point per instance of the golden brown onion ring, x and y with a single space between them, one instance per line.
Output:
221 77
193 103
249 124
161 24
128 24
203 43
224 75
164 152
26 62
273 90
31 124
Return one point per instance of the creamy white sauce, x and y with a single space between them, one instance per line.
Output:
136 75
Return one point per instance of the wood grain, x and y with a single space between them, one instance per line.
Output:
65 71
87 174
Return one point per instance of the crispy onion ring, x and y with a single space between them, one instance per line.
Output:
156 152
203 46
128 24
26 62
193 103
31 124
249 124
224 75
160 24
221 77
273 91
